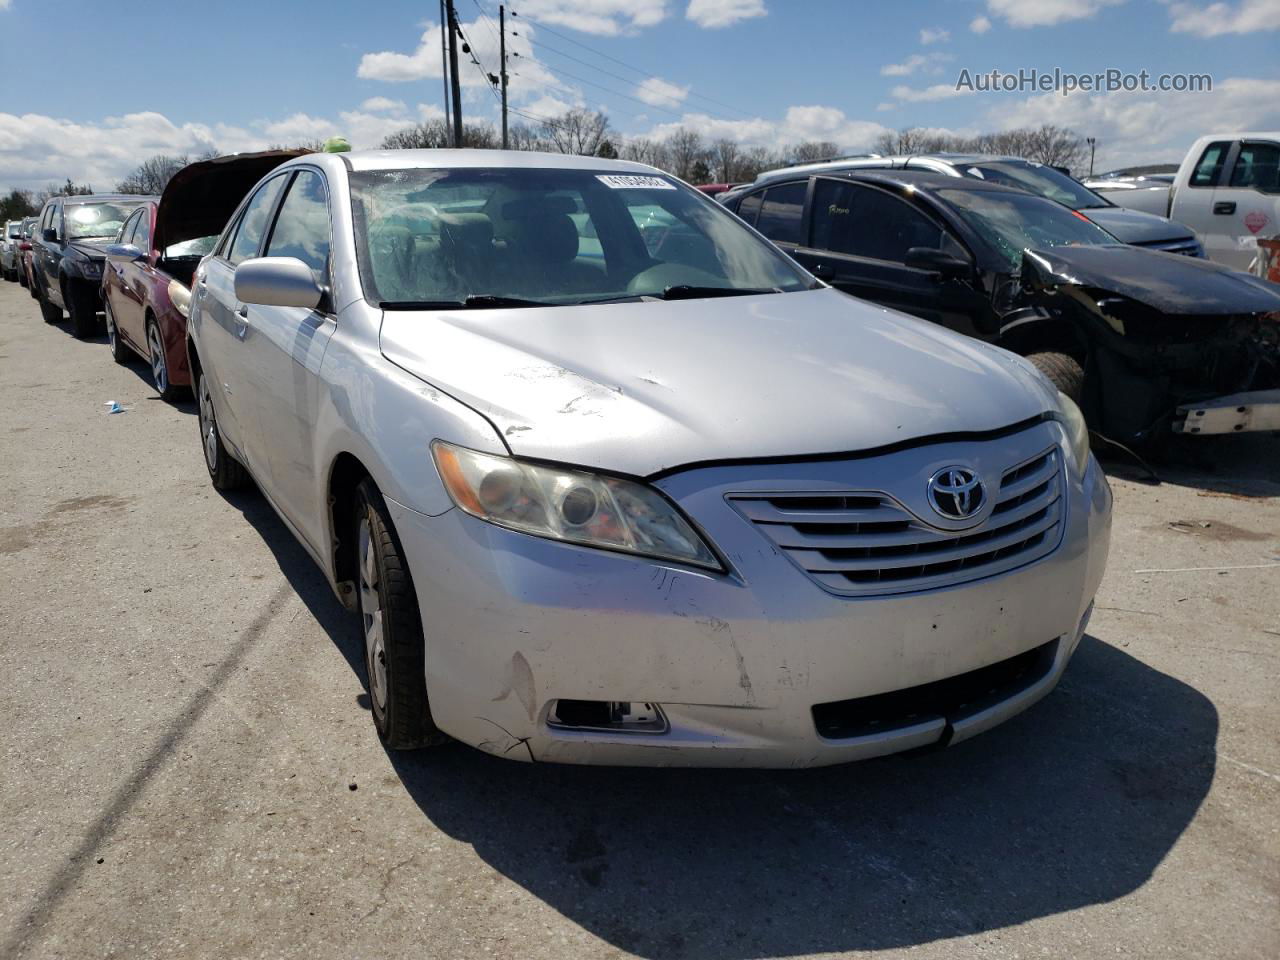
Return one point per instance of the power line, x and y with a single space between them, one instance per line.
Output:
592 83
599 53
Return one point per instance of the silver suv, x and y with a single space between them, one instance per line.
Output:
609 479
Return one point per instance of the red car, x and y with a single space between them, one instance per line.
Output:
711 189
162 243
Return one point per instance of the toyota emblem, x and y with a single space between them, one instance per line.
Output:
956 493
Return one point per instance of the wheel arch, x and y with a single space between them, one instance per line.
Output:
346 472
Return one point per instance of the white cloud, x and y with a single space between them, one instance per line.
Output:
383 104
980 24
660 93
36 150
713 14
1247 16
939 91
934 35
915 62
1154 127
4 4
607 17
1045 13
800 123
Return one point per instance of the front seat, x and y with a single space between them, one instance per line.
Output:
545 257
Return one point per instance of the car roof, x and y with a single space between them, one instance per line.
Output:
101 197
926 180
360 160
881 162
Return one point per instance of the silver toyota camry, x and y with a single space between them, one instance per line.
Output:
609 479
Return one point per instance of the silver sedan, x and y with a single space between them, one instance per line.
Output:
609 479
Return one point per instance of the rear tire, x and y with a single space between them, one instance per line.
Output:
83 311
1063 371
225 472
119 352
51 312
391 629
159 363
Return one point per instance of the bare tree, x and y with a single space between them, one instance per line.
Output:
524 137
310 146
757 160
1048 144
684 149
811 151
153 175
67 189
435 134
642 150
727 154
579 131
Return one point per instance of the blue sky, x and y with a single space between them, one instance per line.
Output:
180 77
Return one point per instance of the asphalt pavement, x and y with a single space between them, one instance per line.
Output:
188 768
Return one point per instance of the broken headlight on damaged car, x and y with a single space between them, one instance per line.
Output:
1076 430
589 509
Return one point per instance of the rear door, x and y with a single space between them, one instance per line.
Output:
858 236
1246 203
223 335
287 346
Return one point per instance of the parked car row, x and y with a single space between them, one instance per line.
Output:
605 475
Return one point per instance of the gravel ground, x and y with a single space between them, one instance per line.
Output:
187 768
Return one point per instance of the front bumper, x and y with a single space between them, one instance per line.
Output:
1239 413
736 662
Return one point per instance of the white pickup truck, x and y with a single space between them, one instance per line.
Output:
1228 191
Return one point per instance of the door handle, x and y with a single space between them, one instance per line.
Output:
1225 208
822 271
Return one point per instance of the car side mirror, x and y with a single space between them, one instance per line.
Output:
49 234
124 253
946 265
277 282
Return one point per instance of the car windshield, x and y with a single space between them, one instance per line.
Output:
1015 222
97 219
499 237
1039 179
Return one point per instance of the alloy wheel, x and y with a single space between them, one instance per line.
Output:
159 369
208 426
375 647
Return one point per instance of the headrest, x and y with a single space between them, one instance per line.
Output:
528 208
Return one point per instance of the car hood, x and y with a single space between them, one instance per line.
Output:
639 388
200 198
1134 226
1168 282
95 248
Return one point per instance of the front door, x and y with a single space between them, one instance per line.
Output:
1246 203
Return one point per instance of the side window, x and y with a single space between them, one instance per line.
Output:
248 238
142 231
1257 166
749 207
302 228
781 212
1209 167
866 222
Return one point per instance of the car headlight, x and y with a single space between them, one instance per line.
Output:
583 508
1077 431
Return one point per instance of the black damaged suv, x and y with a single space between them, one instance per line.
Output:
68 255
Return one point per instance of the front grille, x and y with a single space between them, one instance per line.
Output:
1189 247
867 544
952 699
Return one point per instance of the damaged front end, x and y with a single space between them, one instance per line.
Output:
1169 345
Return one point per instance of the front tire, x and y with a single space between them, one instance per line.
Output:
83 311
225 472
391 629
1063 371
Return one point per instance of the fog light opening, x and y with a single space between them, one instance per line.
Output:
614 716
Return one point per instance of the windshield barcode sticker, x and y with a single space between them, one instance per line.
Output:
628 181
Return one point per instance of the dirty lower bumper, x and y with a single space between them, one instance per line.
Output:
1237 413
737 663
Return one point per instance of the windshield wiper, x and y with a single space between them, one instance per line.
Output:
477 301
685 291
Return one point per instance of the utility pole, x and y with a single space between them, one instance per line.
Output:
444 64
502 70
1093 143
454 84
